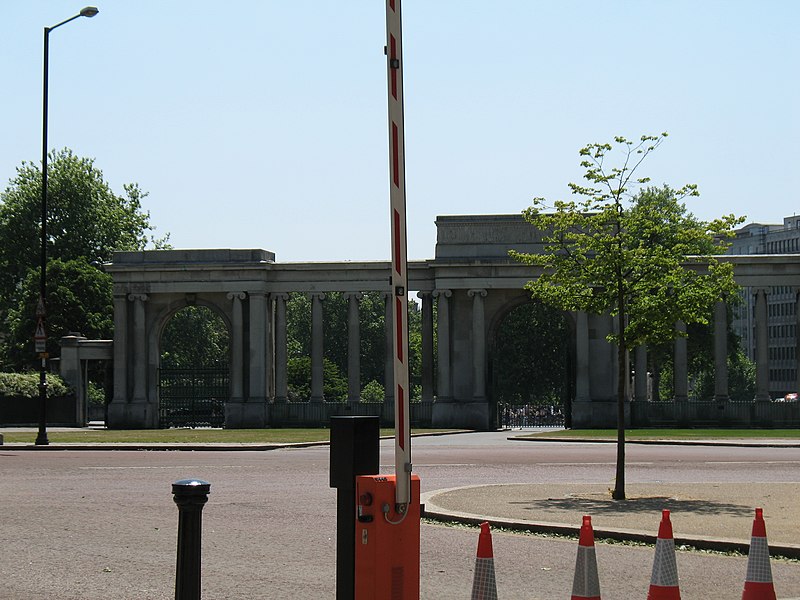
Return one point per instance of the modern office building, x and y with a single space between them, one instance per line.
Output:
760 238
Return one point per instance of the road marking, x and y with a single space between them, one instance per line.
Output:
386 467
171 467
590 464
751 462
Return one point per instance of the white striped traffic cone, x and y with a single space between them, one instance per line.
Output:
758 582
664 580
484 586
586 585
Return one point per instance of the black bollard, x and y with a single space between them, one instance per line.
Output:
355 450
190 495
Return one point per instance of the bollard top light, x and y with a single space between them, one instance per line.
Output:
89 11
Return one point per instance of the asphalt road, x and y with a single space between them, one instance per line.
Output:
102 525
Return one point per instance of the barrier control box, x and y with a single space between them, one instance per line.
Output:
387 542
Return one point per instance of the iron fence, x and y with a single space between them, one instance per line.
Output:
530 415
192 397
318 414
715 413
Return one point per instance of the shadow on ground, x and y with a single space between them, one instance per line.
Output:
600 503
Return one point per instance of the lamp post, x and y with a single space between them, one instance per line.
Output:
40 337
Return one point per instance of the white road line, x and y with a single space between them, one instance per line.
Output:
751 462
169 467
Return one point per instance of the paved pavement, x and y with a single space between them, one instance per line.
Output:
76 525
705 516
714 516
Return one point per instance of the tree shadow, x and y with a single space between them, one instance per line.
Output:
598 504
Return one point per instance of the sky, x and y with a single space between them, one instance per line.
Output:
263 123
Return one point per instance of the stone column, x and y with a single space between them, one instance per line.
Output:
353 347
258 348
797 338
443 389
478 345
73 371
762 346
120 350
139 348
281 380
582 387
721 351
681 366
640 374
388 367
427 345
269 368
317 349
237 347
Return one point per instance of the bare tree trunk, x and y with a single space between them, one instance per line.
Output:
619 483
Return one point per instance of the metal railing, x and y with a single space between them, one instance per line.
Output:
193 397
715 413
318 414
530 415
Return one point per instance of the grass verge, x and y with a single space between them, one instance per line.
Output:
186 436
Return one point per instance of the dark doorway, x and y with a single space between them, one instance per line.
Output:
194 379
532 367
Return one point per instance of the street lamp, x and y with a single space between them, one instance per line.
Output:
40 337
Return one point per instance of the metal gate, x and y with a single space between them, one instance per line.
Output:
192 397
531 415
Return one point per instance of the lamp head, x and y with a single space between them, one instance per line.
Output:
89 11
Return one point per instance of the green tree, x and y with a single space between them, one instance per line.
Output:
195 337
372 324
625 249
372 311
531 356
701 370
80 300
373 392
298 375
86 222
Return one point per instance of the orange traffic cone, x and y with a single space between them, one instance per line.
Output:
484 586
664 580
586 585
758 582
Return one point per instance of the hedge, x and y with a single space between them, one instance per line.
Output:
26 385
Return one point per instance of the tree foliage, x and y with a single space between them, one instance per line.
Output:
26 385
86 222
372 331
531 356
195 337
298 375
700 364
80 300
626 249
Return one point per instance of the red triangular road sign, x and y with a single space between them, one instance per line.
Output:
39 334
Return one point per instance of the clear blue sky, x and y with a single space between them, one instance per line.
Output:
262 124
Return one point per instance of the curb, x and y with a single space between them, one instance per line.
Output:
101 447
187 447
741 444
431 511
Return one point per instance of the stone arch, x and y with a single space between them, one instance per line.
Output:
195 395
504 311
163 317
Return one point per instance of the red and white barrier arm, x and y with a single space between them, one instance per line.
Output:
399 277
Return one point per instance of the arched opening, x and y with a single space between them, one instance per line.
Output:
194 379
532 372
